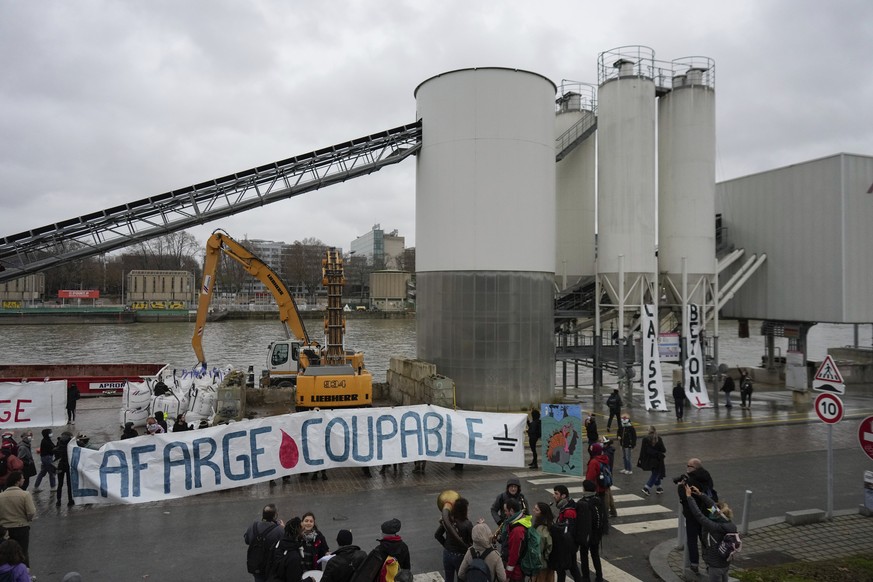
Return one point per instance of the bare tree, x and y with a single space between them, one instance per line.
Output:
358 276
302 265
406 260
171 252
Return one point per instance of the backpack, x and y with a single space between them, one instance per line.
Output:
612 401
599 524
371 567
478 570
342 566
531 558
729 546
259 550
604 477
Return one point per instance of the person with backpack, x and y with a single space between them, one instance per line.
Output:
745 389
609 451
481 563
515 526
627 439
614 404
652 453
455 536
344 561
591 525
394 545
46 453
25 453
534 432
565 541
285 563
9 463
261 537
598 470
695 476
542 521
513 491
721 536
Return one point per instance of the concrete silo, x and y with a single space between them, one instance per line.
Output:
686 183
485 247
575 212
626 213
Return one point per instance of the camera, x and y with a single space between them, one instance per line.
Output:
680 479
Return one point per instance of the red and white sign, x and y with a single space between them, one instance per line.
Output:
865 435
829 408
78 294
828 378
33 404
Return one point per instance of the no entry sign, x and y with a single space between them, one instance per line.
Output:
829 408
865 435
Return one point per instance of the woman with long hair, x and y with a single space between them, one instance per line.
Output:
12 562
542 521
285 564
314 542
455 535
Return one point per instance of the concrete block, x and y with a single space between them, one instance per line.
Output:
804 516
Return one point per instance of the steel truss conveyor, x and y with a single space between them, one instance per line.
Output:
107 230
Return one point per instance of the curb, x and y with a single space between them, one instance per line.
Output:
659 554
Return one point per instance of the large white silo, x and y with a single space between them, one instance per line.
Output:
485 247
686 181
626 213
575 183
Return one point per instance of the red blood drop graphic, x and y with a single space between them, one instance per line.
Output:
288 453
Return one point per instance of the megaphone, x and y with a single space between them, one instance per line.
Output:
447 497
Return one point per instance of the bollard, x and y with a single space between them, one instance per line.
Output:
680 536
747 508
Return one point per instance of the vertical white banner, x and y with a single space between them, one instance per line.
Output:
653 385
695 387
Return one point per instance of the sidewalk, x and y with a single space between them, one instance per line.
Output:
773 541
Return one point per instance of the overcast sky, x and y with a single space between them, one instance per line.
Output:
105 102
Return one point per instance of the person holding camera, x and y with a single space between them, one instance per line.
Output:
698 477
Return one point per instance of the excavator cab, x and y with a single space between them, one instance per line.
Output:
283 363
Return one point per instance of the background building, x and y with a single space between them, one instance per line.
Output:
383 251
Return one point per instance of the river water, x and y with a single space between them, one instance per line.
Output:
244 343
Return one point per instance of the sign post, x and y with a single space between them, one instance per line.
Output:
829 409
828 378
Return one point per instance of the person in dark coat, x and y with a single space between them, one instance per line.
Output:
285 564
534 432
159 417
64 468
272 528
345 560
614 403
181 424
314 543
129 432
394 545
627 438
47 459
727 388
652 453
513 491
25 453
591 429
72 398
455 535
679 400
695 476
715 525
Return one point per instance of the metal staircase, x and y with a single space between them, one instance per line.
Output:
107 230
579 132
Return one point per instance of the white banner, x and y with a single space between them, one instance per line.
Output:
167 466
33 404
695 387
653 385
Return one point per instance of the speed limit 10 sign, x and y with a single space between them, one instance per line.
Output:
829 408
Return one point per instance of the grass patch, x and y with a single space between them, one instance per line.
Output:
851 569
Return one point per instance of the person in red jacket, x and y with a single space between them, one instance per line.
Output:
517 523
593 470
9 463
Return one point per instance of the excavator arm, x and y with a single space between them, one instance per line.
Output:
221 243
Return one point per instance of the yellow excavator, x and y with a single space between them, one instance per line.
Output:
330 377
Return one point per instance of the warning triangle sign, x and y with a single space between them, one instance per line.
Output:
828 372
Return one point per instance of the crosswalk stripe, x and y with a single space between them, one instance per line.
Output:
614 574
641 509
579 490
624 498
645 526
555 480
525 474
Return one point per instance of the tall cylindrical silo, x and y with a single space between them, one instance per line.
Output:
485 247
575 183
626 166
686 176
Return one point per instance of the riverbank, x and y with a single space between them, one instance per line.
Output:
118 314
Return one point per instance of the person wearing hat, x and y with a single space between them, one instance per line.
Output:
513 491
394 545
627 438
129 432
341 564
593 469
25 453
